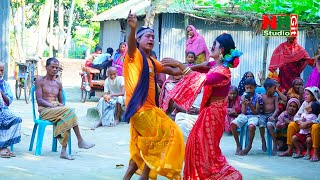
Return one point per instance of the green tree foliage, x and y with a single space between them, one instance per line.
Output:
308 10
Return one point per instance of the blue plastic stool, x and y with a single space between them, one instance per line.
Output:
41 125
269 142
243 134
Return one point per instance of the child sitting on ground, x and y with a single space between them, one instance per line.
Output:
270 111
190 58
250 106
233 109
299 139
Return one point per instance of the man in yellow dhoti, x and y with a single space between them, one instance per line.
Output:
156 144
50 107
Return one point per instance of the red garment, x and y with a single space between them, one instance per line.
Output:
235 104
203 158
164 97
291 59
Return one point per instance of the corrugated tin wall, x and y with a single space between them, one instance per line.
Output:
173 42
110 36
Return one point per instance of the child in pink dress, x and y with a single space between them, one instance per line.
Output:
304 136
233 109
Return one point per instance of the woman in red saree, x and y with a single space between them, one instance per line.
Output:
291 59
203 157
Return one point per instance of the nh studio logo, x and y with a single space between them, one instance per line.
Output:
280 25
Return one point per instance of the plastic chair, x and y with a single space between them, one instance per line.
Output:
269 142
41 124
243 133
260 90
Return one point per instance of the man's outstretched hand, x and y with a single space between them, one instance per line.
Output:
132 20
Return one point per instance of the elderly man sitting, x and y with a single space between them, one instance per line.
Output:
10 124
110 105
186 119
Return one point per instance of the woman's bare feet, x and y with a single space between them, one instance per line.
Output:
286 153
85 145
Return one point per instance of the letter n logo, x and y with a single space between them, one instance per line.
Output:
266 22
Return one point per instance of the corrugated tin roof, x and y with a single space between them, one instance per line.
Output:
121 11
138 6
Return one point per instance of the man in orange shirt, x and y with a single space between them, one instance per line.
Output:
156 143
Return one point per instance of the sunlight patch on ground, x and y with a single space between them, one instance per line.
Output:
249 166
31 157
17 168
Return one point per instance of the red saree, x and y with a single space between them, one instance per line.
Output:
291 59
203 158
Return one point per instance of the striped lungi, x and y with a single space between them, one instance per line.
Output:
63 118
10 126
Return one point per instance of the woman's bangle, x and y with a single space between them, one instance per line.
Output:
185 70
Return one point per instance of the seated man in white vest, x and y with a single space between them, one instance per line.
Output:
186 119
111 104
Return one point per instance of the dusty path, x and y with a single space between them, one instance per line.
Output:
112 149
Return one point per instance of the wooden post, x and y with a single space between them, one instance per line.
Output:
4 34
265 52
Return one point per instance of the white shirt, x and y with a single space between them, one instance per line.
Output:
113 86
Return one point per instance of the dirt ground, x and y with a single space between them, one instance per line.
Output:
112 149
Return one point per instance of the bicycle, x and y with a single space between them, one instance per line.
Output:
25 75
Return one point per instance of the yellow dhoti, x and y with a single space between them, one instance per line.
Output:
157 141
63 118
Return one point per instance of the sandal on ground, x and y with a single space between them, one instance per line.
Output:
11 154
314 159
294 155
5 155
306 157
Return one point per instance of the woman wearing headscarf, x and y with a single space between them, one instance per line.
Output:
246 75
291 59
204 159
197 44
119 57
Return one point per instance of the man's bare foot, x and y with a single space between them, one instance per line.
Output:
64 155
116 122
264 146
274 149
238 150
85 145
245 151
286 153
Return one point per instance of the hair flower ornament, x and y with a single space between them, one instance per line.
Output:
232 60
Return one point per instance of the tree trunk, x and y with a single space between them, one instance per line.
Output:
51 29
4 35
16 15
61 33
70 22
150 14
44 15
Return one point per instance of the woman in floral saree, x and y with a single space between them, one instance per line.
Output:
203 157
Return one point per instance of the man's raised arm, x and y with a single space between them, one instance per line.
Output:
132 22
